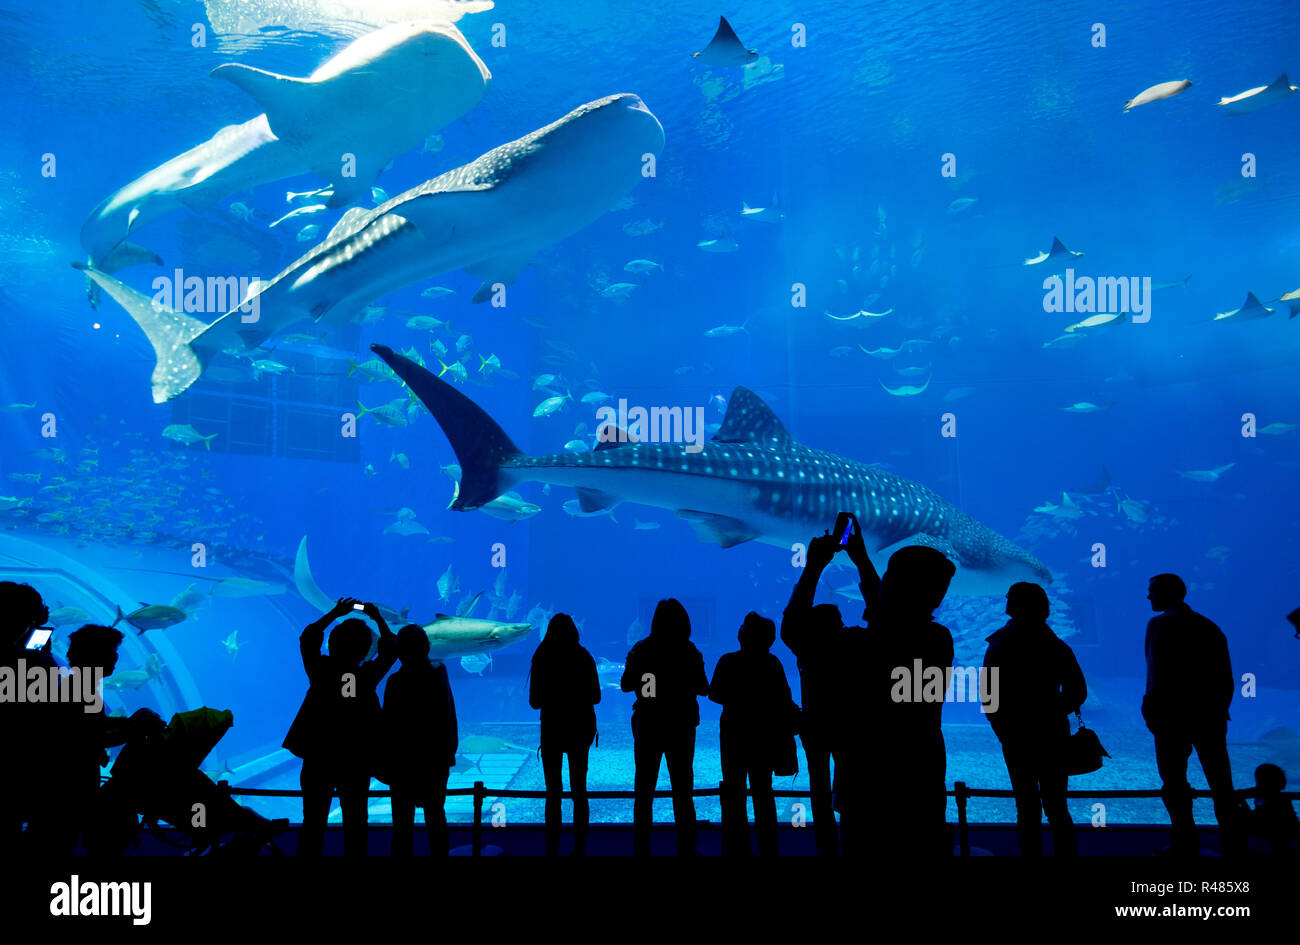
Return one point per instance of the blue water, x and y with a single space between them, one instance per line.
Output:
849 131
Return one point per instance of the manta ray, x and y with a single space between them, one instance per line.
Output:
488 217
752 481
725 49
381 95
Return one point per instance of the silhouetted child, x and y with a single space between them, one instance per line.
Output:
564 685
337 727
1273 820
421 738
1034 683
757 718
666 672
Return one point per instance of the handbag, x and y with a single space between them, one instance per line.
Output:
1083 750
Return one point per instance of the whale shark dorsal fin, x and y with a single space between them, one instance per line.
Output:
723 529
282 98
750 420
611 436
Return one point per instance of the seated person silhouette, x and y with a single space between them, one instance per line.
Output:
73 735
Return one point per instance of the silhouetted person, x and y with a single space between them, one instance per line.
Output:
1294 619
833 716
337 727
1189 688
908 794
1035 684
1273 820
419 722
563 684
666 672
813 636
751 687
890 762
21 612
73 744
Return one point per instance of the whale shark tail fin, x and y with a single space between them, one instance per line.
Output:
306 583
170 333
481 446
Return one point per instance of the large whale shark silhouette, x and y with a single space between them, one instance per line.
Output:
378 97
487 217
752 481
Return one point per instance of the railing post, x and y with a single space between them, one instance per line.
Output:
963 831
476 843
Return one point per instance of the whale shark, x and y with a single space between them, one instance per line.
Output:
751 481
449 636
378 97
488 217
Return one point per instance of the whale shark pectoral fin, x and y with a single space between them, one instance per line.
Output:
126 254
503 270
346 189
289 103
593 500
723 529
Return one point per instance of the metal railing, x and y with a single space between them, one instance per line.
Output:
961 792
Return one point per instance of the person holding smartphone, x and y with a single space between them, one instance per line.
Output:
337 728
22 613
890 760
820 642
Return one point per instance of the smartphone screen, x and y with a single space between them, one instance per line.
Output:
358 606
38 638
844 527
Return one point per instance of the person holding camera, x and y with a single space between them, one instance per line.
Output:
337 728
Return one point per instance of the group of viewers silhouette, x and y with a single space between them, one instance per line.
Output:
889 780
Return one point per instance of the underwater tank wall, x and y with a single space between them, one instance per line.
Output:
845 226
